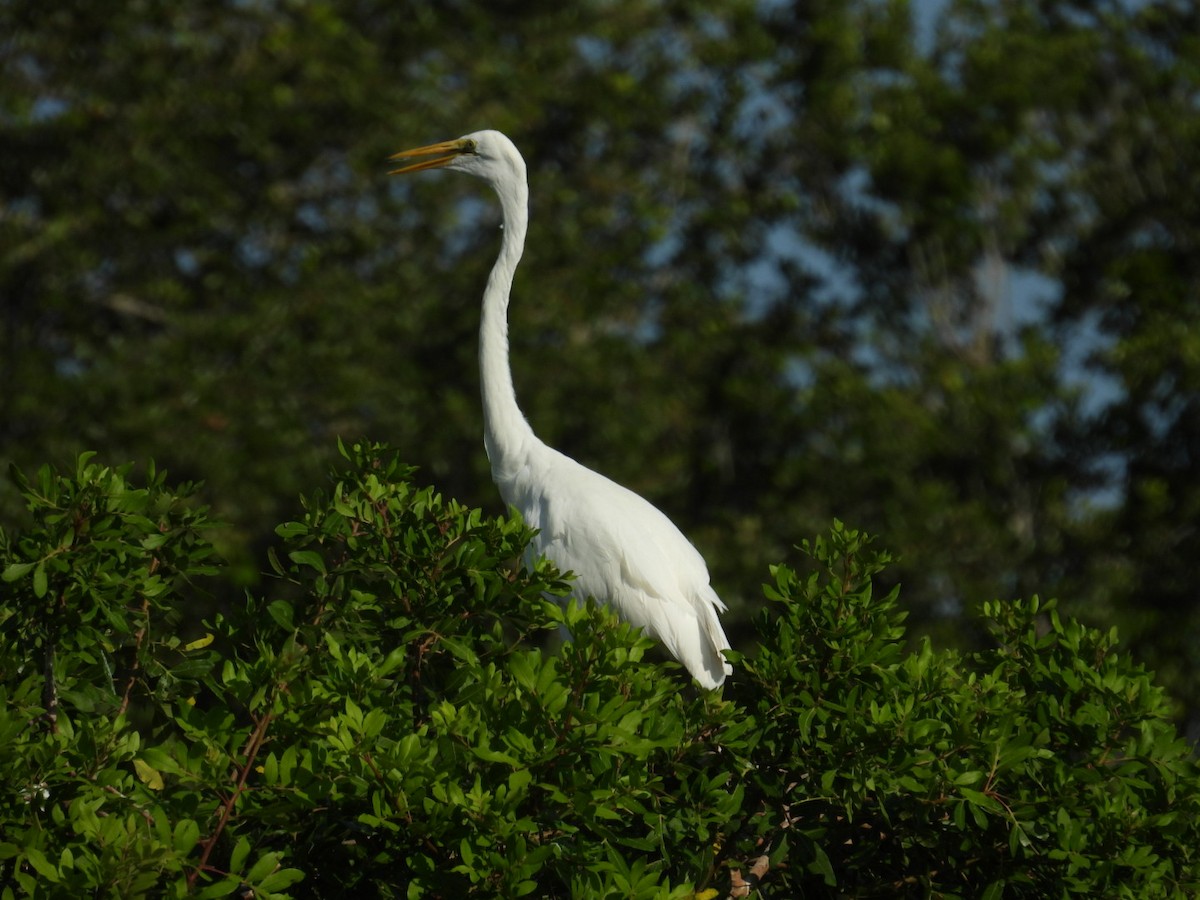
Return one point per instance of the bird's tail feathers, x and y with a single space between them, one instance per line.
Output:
716 667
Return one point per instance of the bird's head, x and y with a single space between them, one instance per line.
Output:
485 154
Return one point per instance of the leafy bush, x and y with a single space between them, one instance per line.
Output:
1043 766
400 718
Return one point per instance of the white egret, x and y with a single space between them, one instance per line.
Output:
623 550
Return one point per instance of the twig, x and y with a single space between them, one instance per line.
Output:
138 639
253 745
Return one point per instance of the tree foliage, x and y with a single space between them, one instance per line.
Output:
935 275
389 719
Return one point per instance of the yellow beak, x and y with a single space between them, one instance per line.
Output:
443 153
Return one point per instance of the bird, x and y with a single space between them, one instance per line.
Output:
622 550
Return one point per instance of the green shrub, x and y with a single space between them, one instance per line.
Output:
399 718
1043 766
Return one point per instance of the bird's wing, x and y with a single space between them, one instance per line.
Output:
589 518
627 553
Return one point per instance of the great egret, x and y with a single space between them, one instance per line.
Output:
622 550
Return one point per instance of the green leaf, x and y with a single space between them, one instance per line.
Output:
280 879
39 581
41 865
310 558
199 643
237 858
281 612
148 775
16 570
160 759
822 866
221 888
978 798
186 836
266 864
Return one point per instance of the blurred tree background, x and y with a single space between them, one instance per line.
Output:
933 269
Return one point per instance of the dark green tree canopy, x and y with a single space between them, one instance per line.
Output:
933 276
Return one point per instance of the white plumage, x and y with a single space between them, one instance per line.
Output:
623 551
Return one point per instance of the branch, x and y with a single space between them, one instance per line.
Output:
128 305
253 745
136 666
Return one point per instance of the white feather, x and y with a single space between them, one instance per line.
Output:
623 551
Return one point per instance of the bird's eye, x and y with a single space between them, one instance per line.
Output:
470 146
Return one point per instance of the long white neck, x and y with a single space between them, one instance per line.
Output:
506 435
